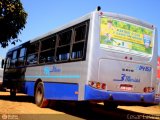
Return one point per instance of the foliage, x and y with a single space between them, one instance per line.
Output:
12 21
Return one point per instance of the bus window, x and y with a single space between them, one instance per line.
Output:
48 43
63 53
8 59
14 55
47 50
63 49
65 38
32 57
14 59
80 33
77 50
47 56
22 52
33 48
79 42
21 56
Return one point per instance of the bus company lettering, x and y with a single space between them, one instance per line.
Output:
47 70
127 78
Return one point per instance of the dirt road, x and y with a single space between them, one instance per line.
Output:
23 108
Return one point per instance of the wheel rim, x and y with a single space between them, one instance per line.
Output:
39 95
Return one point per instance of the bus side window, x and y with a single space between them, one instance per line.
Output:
63 53
21 56
32 59
63 48
80 33
47 50
8 60
32 55
14 59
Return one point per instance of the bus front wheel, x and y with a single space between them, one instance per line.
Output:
12 92
39 96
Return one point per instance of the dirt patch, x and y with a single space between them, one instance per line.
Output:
24 108
21 105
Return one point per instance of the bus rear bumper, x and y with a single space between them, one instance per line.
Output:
95 94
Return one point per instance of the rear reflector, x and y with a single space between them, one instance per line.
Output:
148 89
97 85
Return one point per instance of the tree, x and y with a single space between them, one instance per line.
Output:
12 21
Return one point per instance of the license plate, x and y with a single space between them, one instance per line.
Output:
126 87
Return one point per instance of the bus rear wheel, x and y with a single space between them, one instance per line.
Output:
39 96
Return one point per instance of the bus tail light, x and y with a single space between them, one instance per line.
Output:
148 89
97 85
103 86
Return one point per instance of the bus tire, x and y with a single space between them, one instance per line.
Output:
110 105
13 92
39 96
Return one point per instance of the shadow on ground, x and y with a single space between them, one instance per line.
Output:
85 111
18 98
98 112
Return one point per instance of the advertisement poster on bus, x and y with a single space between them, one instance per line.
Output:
124 36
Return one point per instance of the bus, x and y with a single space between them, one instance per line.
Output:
99 57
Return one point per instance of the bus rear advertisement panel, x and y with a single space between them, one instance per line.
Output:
125 36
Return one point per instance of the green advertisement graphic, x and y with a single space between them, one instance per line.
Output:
125 36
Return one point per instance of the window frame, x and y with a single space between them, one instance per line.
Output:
58 46
84 41
49 49
34 53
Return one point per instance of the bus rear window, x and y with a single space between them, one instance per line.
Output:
125 36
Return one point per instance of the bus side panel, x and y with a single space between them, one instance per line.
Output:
61 81
61 91
29 88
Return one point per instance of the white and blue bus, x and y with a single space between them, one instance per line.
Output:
101 56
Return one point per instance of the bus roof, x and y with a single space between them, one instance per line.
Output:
88 16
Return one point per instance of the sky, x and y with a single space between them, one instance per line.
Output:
46 15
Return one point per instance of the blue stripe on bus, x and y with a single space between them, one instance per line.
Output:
60 91
61 76
95 94
54 91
